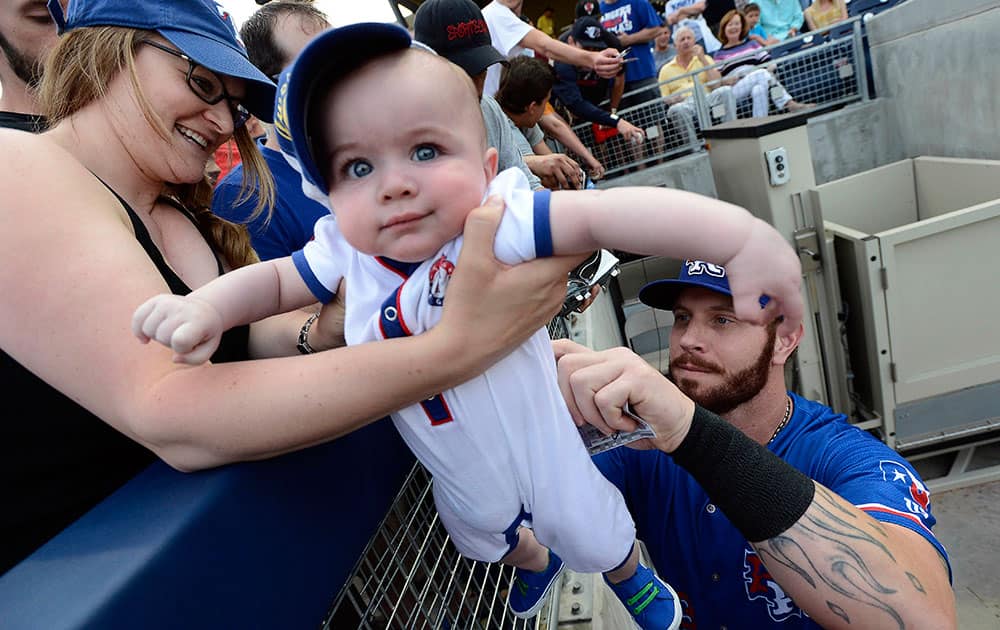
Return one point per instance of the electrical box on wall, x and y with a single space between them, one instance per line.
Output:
777 166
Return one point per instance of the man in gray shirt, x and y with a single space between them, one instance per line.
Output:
456 30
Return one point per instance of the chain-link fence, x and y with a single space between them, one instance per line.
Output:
411 577
825 68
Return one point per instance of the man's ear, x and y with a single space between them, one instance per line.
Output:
491 159
785 345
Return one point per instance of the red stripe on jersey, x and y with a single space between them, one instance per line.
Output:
878 507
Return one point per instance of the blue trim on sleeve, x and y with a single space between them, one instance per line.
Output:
322 294
543 227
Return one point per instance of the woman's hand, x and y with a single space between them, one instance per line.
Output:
491 308
328 330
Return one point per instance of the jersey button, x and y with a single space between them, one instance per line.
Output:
715 577
710 508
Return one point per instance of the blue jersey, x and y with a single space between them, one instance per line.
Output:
293 216
718 576
631 16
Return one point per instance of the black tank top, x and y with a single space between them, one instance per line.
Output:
58 460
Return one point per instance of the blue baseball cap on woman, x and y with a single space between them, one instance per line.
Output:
201 29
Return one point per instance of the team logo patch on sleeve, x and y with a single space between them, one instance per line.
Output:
918 498
438 279
761 586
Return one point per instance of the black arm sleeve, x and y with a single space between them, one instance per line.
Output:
761 494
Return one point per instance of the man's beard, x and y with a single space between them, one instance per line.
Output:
27 69
735 389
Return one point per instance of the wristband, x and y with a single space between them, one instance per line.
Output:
303 342
761 494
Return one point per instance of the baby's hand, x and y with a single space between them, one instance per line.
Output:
190 327
766 265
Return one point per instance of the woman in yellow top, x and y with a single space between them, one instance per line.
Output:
823 13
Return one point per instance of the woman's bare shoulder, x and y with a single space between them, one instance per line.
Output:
35 171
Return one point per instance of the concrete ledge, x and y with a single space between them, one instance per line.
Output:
691 172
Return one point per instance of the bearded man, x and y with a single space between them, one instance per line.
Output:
27 34
763 509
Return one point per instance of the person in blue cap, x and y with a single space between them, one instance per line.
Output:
393 136
273 35
764 509
100 212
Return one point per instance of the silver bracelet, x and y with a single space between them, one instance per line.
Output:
303 344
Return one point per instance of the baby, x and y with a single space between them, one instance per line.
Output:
393 136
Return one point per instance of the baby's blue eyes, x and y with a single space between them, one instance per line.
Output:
424 153
359 168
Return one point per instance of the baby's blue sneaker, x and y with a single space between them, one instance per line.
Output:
651 602
530 589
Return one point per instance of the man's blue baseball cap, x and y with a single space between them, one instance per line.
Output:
201 29
662 294
329 57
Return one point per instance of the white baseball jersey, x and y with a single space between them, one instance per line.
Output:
501 447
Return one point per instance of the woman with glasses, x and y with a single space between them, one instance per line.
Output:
111 206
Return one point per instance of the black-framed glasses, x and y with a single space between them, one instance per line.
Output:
207 85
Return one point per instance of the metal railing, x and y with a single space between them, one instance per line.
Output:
825 67
410 576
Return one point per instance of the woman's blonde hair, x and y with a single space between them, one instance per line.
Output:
77 73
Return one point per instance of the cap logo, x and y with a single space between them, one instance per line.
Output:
588 7
592 32
466 29
281 112
700 267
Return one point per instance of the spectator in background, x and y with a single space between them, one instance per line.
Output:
823 13
636 24
582 92
663 49
525 89
27 34
512 37
751 13
678 92
456 30
713 12
690 13
780 19
743 57
546 22
273 36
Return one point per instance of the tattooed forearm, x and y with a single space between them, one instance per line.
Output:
834 551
